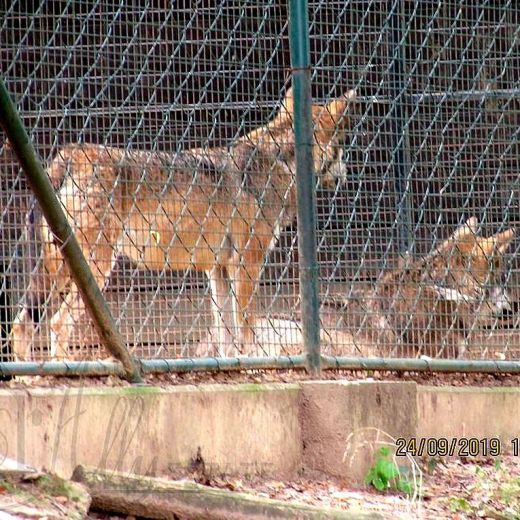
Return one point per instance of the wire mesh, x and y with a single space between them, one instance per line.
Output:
434 147
432 142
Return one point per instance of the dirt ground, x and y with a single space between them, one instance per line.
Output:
272 376
455 490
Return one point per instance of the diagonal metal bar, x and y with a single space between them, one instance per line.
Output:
72 253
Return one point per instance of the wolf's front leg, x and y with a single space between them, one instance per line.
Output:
245 279
223 311
22 333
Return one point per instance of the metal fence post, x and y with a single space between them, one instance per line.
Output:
51 208
401 149
305 181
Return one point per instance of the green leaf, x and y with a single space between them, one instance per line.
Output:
371 475
459 504
405 486
380 484
387 469
384 451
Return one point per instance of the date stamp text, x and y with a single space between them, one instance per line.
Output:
455 447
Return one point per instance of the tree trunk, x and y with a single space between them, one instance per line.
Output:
164 499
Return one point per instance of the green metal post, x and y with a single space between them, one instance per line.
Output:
305 181
51 208
399 121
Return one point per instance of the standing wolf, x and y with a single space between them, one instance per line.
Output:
428 306
217 210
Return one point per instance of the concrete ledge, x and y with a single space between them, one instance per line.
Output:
277 430
153 430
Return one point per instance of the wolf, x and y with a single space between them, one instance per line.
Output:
217 210
428 306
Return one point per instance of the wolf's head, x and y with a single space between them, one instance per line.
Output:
467 268
330 123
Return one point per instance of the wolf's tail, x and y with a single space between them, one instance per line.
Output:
36 293
39 285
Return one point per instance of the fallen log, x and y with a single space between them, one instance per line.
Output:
163 499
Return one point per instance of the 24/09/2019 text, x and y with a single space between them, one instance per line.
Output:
454 447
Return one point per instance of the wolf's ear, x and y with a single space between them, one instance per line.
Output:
497 243
465 237
288 101
467 232
504 239
338 107
350 95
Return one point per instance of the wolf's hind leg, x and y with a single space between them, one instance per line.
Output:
41 297
72 309
62 323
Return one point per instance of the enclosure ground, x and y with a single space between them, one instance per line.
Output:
454 490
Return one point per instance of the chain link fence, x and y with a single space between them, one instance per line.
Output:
167 129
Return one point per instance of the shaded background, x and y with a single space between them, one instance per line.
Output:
434 138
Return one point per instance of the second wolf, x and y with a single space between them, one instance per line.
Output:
217 210
428 306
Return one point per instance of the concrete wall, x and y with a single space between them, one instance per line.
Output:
279 430
243 428
468 412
